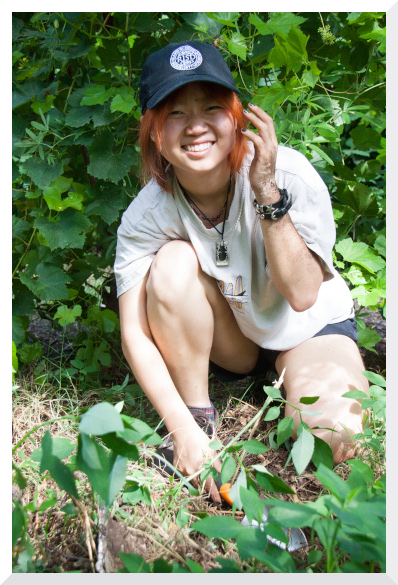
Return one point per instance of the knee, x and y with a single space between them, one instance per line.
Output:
172 271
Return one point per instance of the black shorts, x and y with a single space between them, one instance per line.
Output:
267 357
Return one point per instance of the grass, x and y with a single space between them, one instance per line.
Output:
154 519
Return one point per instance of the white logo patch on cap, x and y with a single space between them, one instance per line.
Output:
185 57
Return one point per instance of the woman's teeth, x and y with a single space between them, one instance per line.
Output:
197 147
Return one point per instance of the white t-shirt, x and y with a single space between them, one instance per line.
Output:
155 217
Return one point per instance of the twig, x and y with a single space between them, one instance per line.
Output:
153 539
277 384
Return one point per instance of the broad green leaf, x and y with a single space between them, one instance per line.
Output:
201 21
360 198
357 394
57 187
252 540
124 100
228 468
41 173
70 230
271 483
66 316
61 448
237 45
365 138
360 253
281 22
302 450
77 117
271 97
227 18
137 430
101 419
322 453
120 446
366 337
254 447
218 527
46 281
272 391
360 474
321 153
106 163
134 563
290 514
290 51
96 95
14 359
375 378
311 75
272 413
333 482
253 505
182 517
60 473
19 326
18 522
285 429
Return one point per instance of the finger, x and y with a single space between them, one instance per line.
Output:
213 491
263 122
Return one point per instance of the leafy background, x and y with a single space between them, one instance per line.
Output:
75 160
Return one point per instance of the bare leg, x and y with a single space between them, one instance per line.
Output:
191 321
327 366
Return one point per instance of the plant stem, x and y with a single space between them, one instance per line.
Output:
24 254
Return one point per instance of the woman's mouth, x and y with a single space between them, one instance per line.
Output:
197 147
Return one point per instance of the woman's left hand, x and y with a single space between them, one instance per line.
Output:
262 170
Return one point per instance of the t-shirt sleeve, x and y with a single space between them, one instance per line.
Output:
147 224
311 211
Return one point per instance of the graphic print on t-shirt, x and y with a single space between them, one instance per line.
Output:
230 293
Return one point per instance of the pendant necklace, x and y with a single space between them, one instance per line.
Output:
222 253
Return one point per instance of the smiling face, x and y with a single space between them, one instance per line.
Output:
198 133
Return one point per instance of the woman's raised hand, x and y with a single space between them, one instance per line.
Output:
262 170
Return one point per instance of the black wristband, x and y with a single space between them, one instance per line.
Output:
274 210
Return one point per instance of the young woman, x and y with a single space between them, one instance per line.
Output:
224 257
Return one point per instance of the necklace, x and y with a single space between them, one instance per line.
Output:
222 254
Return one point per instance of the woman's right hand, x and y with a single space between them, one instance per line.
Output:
191 451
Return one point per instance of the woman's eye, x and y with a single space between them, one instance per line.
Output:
214 108
175 113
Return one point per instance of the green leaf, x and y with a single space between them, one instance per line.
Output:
272 413
365 138
333 482
124 100
18 522
134 563
321 153
105 163
60 473
69 231
234 492
290 51
14 359
120 446
311 75
96 95
137 430
309 399
322 453
106 473
66 315
285 429
227 18
302 450
375 378
290 514
101 419
272 391
41 173
280 22
366 337
61 448
360 474
237 45
254 447
360 198
271 483
252 504
270 98
252 541
227 469
357 394
19 326
50 283
359 253
218 527
182 518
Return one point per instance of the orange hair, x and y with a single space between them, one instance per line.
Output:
154 164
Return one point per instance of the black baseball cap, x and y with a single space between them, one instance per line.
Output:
178 64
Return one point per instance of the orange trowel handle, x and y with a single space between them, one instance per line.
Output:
224 490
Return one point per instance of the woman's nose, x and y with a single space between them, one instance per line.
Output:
196 125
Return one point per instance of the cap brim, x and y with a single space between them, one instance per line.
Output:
167 89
